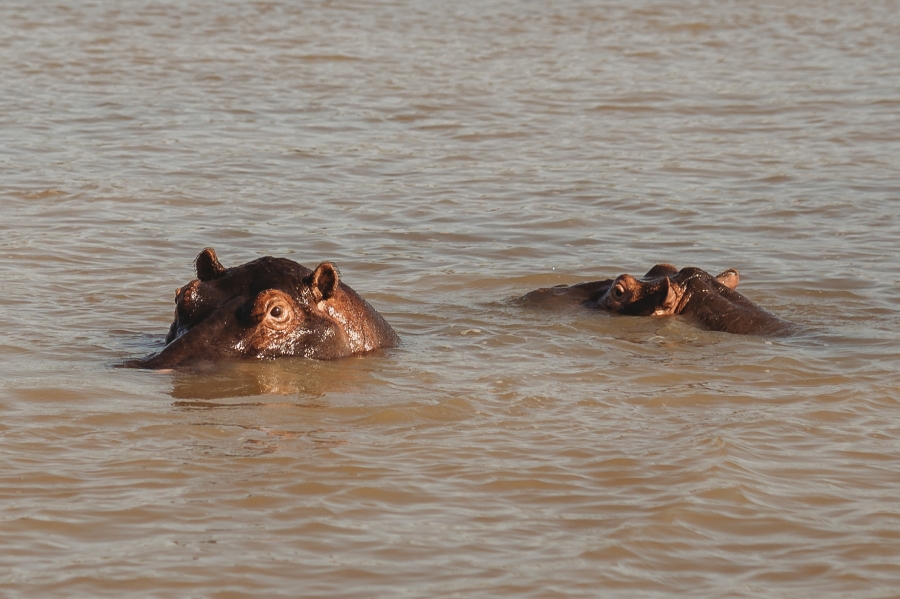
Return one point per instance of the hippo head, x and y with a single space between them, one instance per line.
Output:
661 291
267 308
652 294
710 302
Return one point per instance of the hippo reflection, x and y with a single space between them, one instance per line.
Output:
709 302
268 308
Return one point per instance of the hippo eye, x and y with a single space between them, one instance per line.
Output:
279 315
618 292
274 310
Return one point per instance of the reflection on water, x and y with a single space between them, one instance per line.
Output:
448 157
287 376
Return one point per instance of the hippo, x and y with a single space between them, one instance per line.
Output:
712 303
267 308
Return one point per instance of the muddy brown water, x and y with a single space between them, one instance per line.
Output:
449 157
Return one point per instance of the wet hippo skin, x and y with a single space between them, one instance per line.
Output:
710 302
267 308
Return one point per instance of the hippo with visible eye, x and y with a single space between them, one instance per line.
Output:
267 308
709 302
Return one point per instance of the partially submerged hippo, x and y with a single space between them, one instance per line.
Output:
710 302
267 308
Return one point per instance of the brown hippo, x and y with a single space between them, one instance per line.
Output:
710 302
267 308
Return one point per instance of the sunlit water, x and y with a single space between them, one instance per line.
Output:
450 157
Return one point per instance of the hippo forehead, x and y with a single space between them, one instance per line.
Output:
261 274
255 277
675 275
660 271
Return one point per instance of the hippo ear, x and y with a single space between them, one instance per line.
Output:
670 303
730 278
208 267
324 281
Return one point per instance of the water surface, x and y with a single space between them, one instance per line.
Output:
449 158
